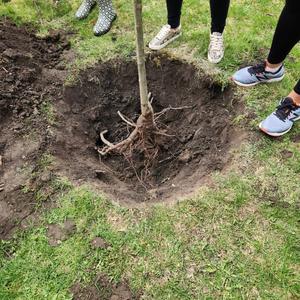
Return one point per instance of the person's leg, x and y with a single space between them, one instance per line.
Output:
84 9
286 36
297 88
295 94
286 114
106 17
287 33
219 12
174 12
170 31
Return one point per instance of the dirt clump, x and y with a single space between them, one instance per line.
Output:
99 243
103 289
57 233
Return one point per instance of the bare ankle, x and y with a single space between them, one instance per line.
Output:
272 66
295 97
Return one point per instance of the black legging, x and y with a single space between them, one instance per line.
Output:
218 8
287 34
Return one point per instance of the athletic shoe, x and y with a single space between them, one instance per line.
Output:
281 121
85 8
165 36
106 17
253 75
216 48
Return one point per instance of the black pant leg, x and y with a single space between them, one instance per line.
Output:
287 33
219 12
174 12
297 88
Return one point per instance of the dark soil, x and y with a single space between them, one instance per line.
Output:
202 131
28 78
32 75
102 289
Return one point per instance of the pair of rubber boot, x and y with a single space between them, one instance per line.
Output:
106 17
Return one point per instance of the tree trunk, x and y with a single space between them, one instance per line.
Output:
146 107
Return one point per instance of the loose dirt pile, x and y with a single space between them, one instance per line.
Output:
29 78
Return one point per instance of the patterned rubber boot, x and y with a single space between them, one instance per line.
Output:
85 8
106 17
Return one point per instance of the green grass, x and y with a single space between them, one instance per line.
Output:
236 240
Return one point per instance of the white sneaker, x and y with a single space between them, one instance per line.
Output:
216 48
165 36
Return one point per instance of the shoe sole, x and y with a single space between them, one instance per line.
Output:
106 31
258 82
166 43
276 134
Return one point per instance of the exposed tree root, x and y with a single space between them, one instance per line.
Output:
145 138
142 138
1 165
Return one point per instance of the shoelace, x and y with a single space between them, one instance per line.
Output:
216 42
163 32
257 69
285 108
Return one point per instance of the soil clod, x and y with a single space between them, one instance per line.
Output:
103 289
99 243
59 233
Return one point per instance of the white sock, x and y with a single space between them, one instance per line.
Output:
272 70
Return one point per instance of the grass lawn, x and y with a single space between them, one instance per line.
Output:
236 239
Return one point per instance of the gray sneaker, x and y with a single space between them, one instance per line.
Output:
106 17
85 8
253 75
165 36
